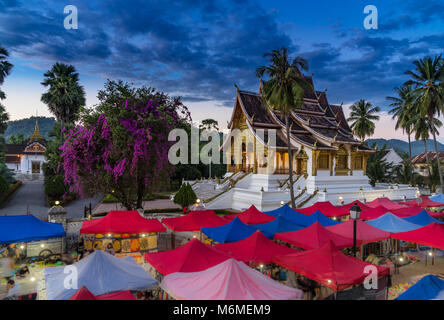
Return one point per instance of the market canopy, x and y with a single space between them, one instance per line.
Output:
386 203
280 224
251 216
431 235
328 266
438 198
291 215
365 233
101 273
347 207
409 211
374 213
195 220
28 228
423 219
234 231
314 237
322 219
429 287
121 222
326 208
256 249
191 257
391 223
85 294
229 280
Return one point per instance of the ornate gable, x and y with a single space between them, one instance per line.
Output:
35 147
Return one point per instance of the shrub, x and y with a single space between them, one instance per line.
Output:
4 185
185 196
55 186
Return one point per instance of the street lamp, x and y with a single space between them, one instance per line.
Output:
355 214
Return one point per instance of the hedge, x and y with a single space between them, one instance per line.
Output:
5 197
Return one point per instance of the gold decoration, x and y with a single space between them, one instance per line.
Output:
116 246
126 246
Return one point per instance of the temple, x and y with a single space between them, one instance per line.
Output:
329 163
26 160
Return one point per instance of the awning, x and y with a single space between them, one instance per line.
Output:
300 218
234 231
280 224
28 228
121 222
431 235
251 216
326 208
365 233
85 294
438 198
195 220
392 223
386 203
424 202
423 219
429 287
411 211
373 213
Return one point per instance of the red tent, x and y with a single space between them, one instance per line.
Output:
191 257
85 294
385 202
431 235
346 208
118 222
328 266
195 220
251 216
313 237
326 208
256 249
413 210
424 202
374 213
365 233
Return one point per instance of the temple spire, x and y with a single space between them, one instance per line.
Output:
36 135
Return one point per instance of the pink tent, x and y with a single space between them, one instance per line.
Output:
413 210
256 249
431 235
195 220
424 202
251 216
326 208
313 237
85 294
386 203
230 280
374 213
191 257
365 233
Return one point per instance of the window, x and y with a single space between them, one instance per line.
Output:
358 163
323 162
341 162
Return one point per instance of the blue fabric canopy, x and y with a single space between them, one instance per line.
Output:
28 228
234 231
428 288
422 219
323 220
280 224
438 198
100 272
391 223
291 215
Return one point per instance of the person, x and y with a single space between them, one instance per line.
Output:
110 249
12 289
80 249
7 266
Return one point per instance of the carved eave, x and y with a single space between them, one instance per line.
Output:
35 147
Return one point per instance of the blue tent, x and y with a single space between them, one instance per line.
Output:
280 224
100 272
234 231
28 228
428 288
291 215
438 198
391 223
323 220
422 219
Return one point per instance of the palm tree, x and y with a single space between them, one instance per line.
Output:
363 114
65 95
428 81
402 106
284 91
5 68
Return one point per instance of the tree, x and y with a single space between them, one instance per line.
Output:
379 170
65 95
428 81
185 196
209 124
362 115
122 145
17 139
5 69
402 107
284 91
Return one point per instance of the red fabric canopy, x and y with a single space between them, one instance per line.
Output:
413 210
256 249
346 208
191 257
195 220
385 202
374 213
314 237
326 208
365 233
85 294
431 235
328 266
251 216
119 222
424 202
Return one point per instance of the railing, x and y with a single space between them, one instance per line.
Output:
300 205
298 196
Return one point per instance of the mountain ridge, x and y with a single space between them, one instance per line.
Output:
403 146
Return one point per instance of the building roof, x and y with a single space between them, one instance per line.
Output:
15 149
422 158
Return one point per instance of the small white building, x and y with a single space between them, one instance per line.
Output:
392 157
27 159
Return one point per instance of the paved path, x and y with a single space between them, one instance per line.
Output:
32 196
147 205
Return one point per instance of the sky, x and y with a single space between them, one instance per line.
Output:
199 49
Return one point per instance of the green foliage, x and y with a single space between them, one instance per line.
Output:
6 173
26 127
362 116
4 185
379 170
55 186
5 196
185 196
17 139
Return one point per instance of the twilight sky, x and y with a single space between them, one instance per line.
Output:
199 49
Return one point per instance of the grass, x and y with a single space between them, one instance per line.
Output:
148 197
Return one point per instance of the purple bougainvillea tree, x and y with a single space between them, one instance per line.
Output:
121 146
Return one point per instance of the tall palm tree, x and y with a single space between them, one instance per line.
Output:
284 91
428 81
402 106
5 68
363 114
65 95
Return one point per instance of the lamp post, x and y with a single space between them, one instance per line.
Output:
355 214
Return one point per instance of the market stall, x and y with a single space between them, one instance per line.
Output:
85 294
429 287
300 218
251 216
234 231
438 198
411 211
386 203
373 213
423 219
365 233
280 224
431 235
424 202
326 208
229 280
195 220
392 223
